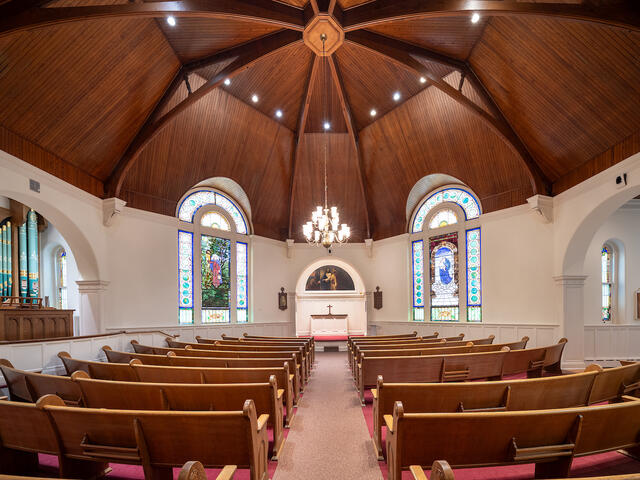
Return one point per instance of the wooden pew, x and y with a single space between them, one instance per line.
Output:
25 431
29 386
548 438
187 397
612 383
106 371
535 361
308 341
529 394
430 368
440 470
170 360
161 440
299 353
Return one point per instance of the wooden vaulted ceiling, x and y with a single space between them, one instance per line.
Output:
533 98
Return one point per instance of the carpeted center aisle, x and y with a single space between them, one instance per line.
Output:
329 437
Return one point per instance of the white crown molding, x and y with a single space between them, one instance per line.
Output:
543 206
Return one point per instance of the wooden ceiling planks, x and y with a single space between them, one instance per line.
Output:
343 186
568 88
195 38
371 80
325 103
82 90
279 83
431 133
452 36
245 146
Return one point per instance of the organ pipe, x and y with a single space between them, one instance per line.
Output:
22 242
32 252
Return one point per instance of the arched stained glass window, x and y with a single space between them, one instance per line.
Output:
607 282
443 218
215 220
213 253
61 278
467 202
446 257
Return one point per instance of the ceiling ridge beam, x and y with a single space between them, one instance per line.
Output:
353 134
406 57
297 141
15 7
623 14
262 11
243 58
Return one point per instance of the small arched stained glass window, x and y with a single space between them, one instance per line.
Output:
607 282
443 218
215 220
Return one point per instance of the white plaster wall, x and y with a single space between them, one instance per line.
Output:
50 241
623 229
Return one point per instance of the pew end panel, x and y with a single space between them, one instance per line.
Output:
195 471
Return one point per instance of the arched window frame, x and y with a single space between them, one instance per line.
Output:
609 282
189 241
468 235
61 270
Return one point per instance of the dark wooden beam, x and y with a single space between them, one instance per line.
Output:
15 7
297 143
263 11
314 6
624 13
407 56
353 133
242 57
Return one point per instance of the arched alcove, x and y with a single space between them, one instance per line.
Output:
349 302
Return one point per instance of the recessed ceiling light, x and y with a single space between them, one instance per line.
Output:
373 112
475 17
254 98
423 80
171 21
396 96
227 81
327 125
279 113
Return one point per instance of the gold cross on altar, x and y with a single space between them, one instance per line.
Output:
329 306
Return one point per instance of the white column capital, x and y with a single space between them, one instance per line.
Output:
368 243
110 208
543 206
570 280
92 286
290 242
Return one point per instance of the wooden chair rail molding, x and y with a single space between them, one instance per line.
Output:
86 439
441 470
85 337
135 371
594 385
548 438
467 366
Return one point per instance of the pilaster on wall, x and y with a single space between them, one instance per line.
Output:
571 301
91 304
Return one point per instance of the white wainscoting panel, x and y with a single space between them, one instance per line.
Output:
604 343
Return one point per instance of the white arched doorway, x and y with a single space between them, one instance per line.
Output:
348 298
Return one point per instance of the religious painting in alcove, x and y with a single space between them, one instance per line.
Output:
329 277
216 282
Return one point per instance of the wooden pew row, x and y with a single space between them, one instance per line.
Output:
299 354
188 351
86 439
548 438
304 343
350 338
460 367
114 356
310 341
470 346
191 470
114 395
243 344
530 394
441 470
135 371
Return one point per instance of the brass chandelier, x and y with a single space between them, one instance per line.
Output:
324 227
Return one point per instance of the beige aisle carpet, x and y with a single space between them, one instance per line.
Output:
329 437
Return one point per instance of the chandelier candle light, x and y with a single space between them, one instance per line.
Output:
324 228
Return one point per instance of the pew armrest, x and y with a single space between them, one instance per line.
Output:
227 472
4 397
625 398
262 421
280 393
417 472
291 376
374 392
388 421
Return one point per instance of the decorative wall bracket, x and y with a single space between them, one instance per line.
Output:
110 208
368 244
543 206
290 243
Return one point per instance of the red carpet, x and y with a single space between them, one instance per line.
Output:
611 463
